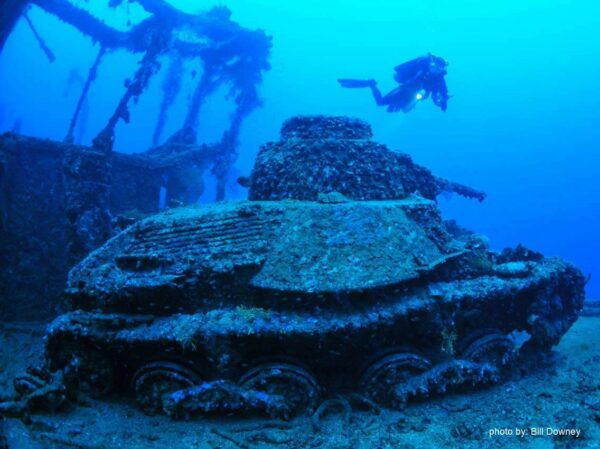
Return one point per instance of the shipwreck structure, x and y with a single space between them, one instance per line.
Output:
59 201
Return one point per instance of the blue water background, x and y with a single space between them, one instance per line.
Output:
523 123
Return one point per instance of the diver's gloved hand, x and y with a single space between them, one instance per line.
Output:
440 99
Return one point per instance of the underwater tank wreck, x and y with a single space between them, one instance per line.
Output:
338 275
200 247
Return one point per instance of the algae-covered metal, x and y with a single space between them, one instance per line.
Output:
273 305
192 258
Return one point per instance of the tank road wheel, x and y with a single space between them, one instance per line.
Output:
296 385
379 378
155 379
494 349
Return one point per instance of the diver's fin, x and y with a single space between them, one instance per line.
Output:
355 83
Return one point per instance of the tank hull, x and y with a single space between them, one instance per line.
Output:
338 344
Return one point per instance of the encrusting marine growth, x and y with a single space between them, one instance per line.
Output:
337 283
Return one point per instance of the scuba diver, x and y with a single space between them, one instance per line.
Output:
418 79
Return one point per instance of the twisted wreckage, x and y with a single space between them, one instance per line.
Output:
59 200
337 277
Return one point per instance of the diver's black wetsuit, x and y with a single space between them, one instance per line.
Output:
418 79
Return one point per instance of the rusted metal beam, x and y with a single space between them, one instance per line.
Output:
10 12
86 87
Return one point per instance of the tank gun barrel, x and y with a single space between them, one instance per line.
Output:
444 185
